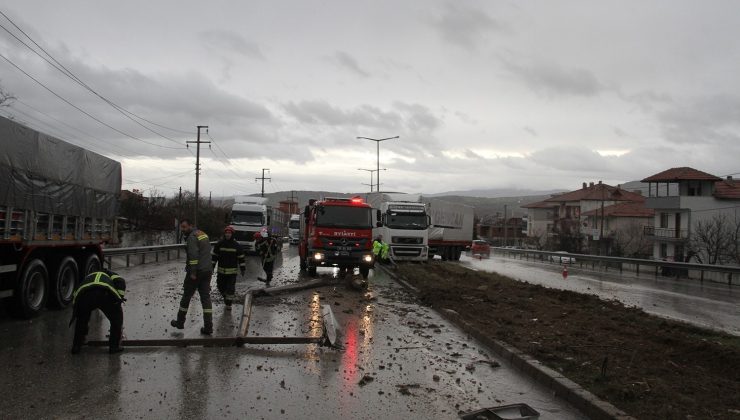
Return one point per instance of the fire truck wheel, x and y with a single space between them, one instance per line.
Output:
64 282
32 290
312 270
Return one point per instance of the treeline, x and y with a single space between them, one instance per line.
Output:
158 212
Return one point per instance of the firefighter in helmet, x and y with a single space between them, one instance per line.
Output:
229 256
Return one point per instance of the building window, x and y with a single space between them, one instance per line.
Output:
664 220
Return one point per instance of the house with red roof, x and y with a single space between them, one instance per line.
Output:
561 217
683 198
619 229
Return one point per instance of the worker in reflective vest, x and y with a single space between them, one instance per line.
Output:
102 290
268 249
198 270
378 247
229 256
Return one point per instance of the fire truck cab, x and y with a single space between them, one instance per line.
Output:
337 232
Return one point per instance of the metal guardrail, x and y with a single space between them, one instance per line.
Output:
142 251
620 261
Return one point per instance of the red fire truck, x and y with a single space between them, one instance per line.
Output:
337 232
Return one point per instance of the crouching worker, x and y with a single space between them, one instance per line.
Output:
102 290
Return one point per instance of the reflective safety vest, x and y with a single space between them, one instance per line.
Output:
385 249
377 247
229 255
113 283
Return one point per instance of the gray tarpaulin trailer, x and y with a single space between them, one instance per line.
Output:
58 205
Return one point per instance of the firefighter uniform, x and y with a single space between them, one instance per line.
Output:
198 265
229 256
268 249
102 290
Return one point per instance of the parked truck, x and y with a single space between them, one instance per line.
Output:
250 215
337 232
294 229
58 206
405 224
451 228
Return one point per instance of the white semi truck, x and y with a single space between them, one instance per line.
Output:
405 224
249 215
451 229
294 229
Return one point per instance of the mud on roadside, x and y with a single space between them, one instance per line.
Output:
648 366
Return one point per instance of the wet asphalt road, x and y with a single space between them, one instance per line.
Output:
710 305
414 363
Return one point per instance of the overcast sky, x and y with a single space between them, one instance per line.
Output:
483 94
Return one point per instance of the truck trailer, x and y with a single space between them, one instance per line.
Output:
294 229
405 224
451 228
58 206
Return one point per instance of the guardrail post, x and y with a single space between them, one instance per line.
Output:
110 263
656 271
168 255
128 262
637 269
143 257
729 279
178 253
702 276
620 268
156 256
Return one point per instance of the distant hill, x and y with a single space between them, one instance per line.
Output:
485 206
496 193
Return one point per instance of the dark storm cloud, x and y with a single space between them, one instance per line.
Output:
347 62
551 79
231 42
465 26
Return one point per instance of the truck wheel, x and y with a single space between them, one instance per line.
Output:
31 293
92 264
302 264
364 272
458 253
312 270
64 282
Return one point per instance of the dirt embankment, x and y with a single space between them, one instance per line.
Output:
647 366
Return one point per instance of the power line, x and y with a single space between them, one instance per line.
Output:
161 177
76 79
82 110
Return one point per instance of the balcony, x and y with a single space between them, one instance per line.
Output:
666 233
673 202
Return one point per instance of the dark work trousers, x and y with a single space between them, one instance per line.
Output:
227 286
268 266
202 284
97 298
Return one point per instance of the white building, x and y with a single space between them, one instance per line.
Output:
682 197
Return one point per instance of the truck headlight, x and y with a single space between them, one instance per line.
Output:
318 256
368 258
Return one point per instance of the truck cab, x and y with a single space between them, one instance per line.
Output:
249 215
294 229
337 232
405 225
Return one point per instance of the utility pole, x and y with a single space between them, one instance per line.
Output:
209 198
292 198
506 230
197 170
263 180
178 234
377 142
601 234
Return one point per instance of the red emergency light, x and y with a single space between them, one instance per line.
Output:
356 200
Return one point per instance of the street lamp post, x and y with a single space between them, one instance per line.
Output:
377 142
371 176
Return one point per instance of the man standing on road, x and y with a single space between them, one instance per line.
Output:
229 256
198 270
268 249
100 290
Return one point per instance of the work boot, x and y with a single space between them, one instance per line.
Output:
179 323
207 324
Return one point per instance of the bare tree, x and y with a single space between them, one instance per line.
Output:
630 241
537 239
6 98
711 240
